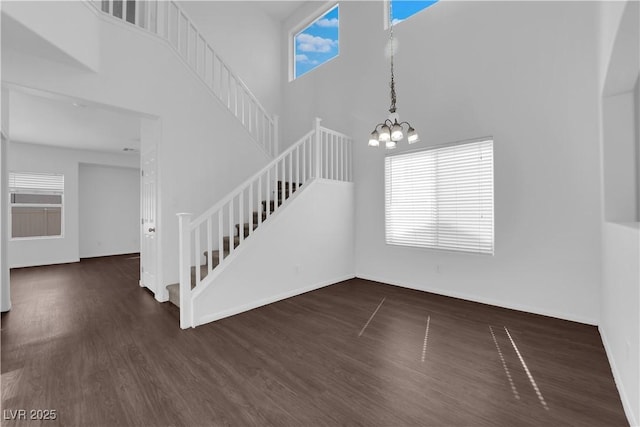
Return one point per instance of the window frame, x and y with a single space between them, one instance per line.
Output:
303 25
386 16
61 205
436 248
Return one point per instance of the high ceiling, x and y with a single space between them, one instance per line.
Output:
44 119
279 10
48 120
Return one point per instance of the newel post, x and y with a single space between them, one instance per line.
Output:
184 242
276 135
318 148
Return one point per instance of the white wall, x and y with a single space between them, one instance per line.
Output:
109 199
197 164
303 247
620 164
247 39
619 326
49 38
522 72
609 16
38 158
620 318
636 104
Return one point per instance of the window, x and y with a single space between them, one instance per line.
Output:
317 43
403 9
36 204
441 198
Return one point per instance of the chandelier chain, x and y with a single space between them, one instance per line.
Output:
391 130
392 108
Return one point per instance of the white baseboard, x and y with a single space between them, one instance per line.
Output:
45 263
489 301
626 404
269 300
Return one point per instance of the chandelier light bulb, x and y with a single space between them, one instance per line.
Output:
396 132
373 139
385 134
390 145
412 136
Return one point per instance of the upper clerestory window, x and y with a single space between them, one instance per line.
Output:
403 9
317 43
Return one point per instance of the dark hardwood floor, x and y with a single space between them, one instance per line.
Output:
86 341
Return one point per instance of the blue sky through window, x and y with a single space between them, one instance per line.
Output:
317 43
403 9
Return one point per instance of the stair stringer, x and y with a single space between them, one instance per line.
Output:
306 245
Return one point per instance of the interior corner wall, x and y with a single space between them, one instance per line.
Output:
620 290
609 16
247 39
327 91
620 311
524 73
38 158
109 210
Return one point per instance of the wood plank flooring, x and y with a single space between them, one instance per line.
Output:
86 341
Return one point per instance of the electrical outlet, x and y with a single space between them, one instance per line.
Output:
438 269
297 268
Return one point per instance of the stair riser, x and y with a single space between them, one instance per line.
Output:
225 242
271 205
288 185
255 217
246 228
215 257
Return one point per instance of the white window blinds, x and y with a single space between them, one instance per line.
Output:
441 198
29 182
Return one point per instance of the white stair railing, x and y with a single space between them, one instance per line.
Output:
217 233
169 21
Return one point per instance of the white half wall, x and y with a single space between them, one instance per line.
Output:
305 246
39 158
109 199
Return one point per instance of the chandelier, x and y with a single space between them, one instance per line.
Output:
391 130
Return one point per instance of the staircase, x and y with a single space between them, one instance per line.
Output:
320 154
284 191
216 238
168 21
